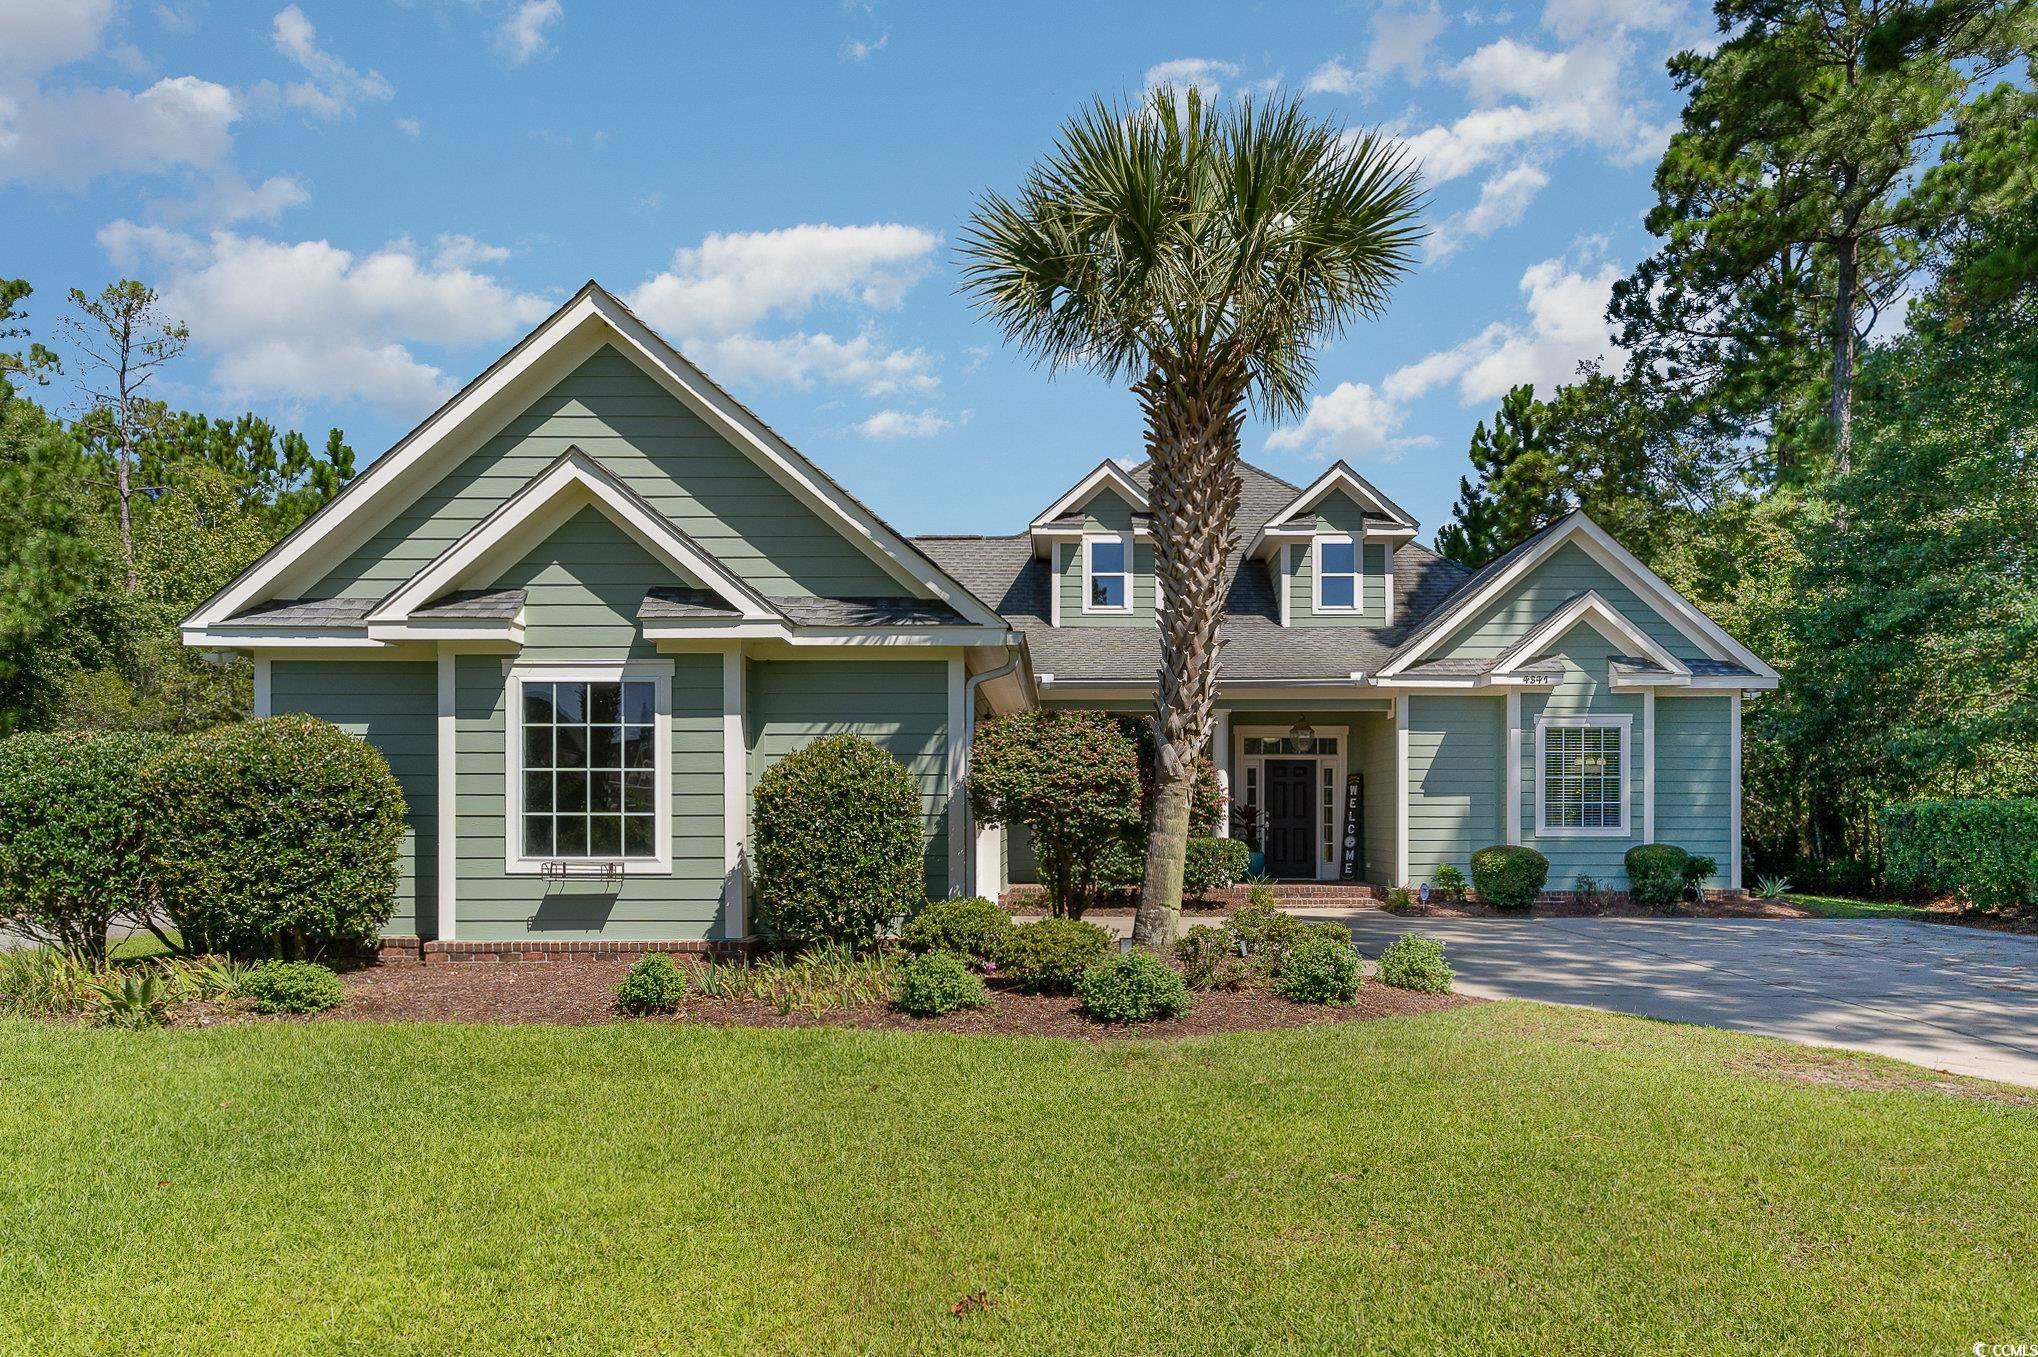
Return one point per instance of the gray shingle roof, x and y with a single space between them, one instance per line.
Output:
667 602
304 612
491 605
1003 572
869 612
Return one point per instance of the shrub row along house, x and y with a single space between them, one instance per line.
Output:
585 604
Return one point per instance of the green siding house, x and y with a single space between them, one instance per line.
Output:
587 603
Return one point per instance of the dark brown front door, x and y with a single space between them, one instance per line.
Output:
1291 817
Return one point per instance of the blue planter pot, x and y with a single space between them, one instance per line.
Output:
1256 864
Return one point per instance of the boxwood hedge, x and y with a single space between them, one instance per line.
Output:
1985 850
838 836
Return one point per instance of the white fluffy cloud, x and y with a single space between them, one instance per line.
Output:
228 197
40 35
70 137
1334 77
1564 324
332 88
524 32
905 424
1402 38
1201 74
859 50
308 320
715 295
1503 201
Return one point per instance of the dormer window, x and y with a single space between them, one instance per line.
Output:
1107 574
1337 575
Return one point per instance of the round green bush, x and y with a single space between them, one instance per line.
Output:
1412 961
654 985
71 816
938 983
1656 873
1132 987
1265 936
292 987
1048 956
1213 864
972 927
839 837
1509 876
273 837
1321 970
1210 959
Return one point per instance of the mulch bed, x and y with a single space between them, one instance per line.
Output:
583 992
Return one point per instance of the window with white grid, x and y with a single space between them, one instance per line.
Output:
589 774
1582 776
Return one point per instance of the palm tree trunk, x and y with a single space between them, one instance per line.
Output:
1192 439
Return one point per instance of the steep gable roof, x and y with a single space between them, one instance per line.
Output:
592 317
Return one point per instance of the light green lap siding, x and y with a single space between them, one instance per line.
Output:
1071 584
583 588
1456 772
1373 589
1694 787
902 705
496 906
394 706
1568 572
1583 692
614 412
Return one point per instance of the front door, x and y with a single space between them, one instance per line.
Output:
1291 817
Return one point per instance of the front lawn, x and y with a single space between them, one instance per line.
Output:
1846 907
1496 1177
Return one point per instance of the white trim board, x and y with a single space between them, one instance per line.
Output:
1124 539
1622 722
1106 473
1619 562
591 318
1594 611
1317 542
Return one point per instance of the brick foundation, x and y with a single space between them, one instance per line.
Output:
434 953
1297 893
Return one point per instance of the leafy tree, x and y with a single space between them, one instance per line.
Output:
1072 778
48 560
37 362
1199 255
1787 202
125 340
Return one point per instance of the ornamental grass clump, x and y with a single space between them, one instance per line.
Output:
838 830
1132 987
940 983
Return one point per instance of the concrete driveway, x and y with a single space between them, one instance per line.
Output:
1956 999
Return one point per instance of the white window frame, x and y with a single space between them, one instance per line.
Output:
1124 539
1358 573
515 676
1626 829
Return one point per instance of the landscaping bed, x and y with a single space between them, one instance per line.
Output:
583 991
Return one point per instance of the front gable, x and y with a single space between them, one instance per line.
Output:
583 586
1567 573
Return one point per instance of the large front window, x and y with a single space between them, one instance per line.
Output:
1582 776
589 769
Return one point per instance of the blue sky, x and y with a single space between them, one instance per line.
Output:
356 206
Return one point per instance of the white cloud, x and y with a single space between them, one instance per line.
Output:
1573 19
1503 201
1402 37
522 33
70 137
861 50
464 252
334 88
1564 325
228 197
308 320
732 281
863 361
1198 73
904 424
40 35
410 127
1334 77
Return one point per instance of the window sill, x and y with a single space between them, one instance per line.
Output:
1583 833
590 869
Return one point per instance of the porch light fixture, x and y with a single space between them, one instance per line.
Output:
1304 736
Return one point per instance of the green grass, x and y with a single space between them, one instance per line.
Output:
1843 907
1496 1178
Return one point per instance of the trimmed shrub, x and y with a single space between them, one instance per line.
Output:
1072 778
838 845
275 837
1448 884
1509 876
654 985
1656 873
292 987
1210 959
1048 956
972 927
1213 864
1266 935
1984 850
1321 970
1412 961
71 816
1132 987
938 983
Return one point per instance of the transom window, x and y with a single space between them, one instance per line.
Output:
1582 776
1107 574
1288 744
1337 574
588 768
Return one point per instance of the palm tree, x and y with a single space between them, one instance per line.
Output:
1198 254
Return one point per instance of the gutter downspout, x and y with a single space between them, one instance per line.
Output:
969 730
